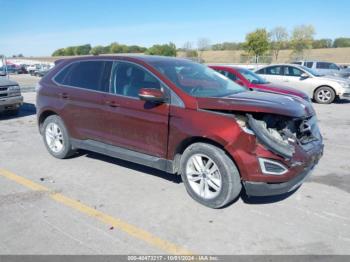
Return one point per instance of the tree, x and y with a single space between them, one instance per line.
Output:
279 38
322 43
341 42
202 45
82 49
189 51
165 50
302 38
97 50
59 52
257 43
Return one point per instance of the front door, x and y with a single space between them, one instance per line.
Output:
132 123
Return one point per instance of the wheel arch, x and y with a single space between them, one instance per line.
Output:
43 115
181 147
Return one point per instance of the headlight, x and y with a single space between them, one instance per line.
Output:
14 90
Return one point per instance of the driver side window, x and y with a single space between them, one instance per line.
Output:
128 79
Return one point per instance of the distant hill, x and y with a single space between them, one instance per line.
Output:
336 55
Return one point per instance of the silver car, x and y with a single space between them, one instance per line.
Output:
325 68
323 89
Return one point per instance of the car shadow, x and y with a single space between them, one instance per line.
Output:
27 109
137 167
250 200
261 200
342 101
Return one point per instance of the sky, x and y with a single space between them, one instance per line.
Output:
38 27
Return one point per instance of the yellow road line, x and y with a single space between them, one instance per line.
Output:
104 218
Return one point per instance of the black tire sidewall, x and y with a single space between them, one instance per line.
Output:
67 148
324 88
231 183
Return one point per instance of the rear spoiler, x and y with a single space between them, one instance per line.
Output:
59 61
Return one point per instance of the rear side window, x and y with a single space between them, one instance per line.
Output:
274 70
323 65
261 71
309 64
91 75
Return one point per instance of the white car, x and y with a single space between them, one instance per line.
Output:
323 89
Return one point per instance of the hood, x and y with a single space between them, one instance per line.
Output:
255 101
6 82
283 90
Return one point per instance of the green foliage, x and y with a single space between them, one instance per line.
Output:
341 42
97 50
113 48
82 49
227 46
322 43
302 38
257 43
165 50
59 52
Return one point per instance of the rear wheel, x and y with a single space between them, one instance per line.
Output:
210 176
56 137
324 95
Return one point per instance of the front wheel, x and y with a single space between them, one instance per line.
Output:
324 95
210 176
56 138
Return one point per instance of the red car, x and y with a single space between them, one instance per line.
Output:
249 79
183 118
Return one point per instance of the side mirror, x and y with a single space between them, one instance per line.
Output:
151 95
304 75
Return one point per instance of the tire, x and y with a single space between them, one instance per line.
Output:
324 95
57 141
227 186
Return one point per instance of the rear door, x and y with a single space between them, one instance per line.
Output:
273 74
82 85
132 123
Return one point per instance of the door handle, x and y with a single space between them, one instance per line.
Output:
112 103
64 95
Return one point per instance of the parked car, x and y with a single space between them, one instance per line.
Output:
183 118
10 95
325 68
249 79
32 68
41 73
323 89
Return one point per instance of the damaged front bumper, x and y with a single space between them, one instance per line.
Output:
286 151
270 189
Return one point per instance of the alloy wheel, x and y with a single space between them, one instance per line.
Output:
203 176
54 137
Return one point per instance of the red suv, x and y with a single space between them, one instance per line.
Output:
249 79
181 117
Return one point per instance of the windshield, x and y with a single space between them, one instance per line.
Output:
252 77
197 80
311 71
